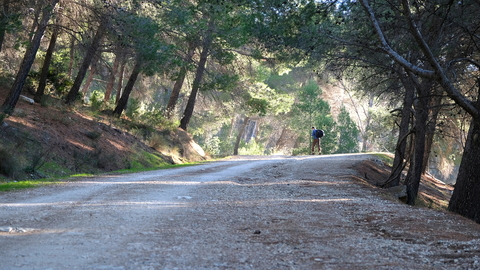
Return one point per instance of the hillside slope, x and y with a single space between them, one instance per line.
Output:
55 140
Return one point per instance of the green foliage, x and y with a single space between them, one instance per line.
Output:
220 82
379 131
96 100
311 110
212 146
348 139
9 162
133 108
6 79
58 82
251 148
258 106
9 186
155 118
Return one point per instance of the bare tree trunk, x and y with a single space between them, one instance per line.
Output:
111 79
399 159
93 71
72 56
367 125
12 98
172 102
122 103
435 106
421 117
120 82
3 18
465 199
207 42
34 27
92 50
241 132
46 66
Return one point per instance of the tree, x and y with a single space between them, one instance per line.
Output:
310 110
87 60
123 101
348 138
465 200
207 42
42 82
10 102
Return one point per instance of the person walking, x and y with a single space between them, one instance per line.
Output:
316 141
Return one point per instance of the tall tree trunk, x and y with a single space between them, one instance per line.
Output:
367 125
207 42
240 135
120 82
72 56
465 199
435 107
46 66
92 50
93 71
122 103
111 78
399 159
172 102
34 27
12 98
414 175
3 19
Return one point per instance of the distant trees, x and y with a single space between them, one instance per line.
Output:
311 110
348 133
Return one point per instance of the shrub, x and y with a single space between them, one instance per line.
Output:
9 163
96 100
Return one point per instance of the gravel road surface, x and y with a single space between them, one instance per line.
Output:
250 212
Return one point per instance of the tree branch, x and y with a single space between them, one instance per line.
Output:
386 47
442 78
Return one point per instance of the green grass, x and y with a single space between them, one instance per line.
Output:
161 167
17 185
383 157
11 186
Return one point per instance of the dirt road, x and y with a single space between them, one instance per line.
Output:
272 212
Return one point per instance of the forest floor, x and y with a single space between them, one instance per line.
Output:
246 212
59 140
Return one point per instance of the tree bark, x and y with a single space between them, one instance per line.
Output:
172 102
93 71
72 56
122 103
207 42
434 110
240 135
399 159
111 79
421 117
46 66
120 82
465 199
12 98
92 49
